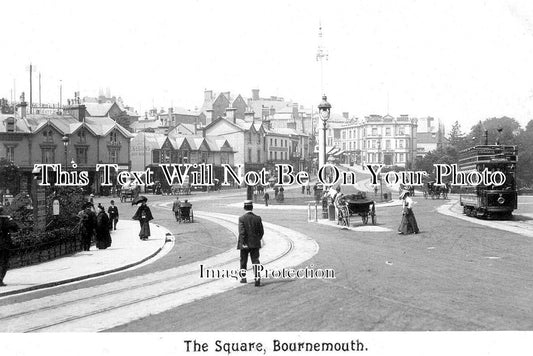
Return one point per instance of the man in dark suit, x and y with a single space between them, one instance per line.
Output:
113 216
250 235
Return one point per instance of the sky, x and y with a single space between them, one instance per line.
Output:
454 60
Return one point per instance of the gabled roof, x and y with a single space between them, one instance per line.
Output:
219 119
97 109
151 140
104 125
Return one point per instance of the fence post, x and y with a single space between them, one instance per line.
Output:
316 211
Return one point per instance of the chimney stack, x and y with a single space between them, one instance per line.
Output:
210 116
230 114
81 112
255 94
249 116
208 95
22 109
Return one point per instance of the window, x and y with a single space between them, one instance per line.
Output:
387 144
276 156
250 137
270 141
10 153
275 142
387 131
400 143
250 155
81 136
48 135
401 130
81 155
10 124
374 131
205 157
344 135
271 155
156 155
48 155
113 137
373 143
258 138
224 158
258 155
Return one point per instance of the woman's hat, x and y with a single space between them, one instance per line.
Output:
403 194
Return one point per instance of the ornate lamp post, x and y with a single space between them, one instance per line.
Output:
65 140
324 109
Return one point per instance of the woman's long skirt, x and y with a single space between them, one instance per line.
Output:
408 224
145 230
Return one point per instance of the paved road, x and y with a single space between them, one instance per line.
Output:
456 275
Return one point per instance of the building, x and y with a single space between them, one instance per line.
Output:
149 150
376 139
246 137
286 145
430 135
28 139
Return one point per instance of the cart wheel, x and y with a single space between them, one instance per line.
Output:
374 219
365 218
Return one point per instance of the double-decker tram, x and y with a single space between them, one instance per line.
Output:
489 200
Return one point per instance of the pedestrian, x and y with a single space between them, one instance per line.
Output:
103 237
176 208
408 224
7 225
281 194
113 216
250 236
266 197
276 190
144 215
303 189
308 187
86 226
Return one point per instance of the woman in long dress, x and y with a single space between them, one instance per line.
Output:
144 215
103 237
408 224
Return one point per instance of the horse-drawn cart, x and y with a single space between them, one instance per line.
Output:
186 213
351 205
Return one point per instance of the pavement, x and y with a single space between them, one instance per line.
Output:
126 251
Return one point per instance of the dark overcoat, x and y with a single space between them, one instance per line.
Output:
250 231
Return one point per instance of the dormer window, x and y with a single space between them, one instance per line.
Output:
113 137
10 124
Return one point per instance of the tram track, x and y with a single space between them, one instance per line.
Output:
180 279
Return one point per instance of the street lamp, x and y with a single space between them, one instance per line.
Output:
324 109
65 143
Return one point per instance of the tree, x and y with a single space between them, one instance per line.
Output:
9 177
510 128
456 138
525 157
